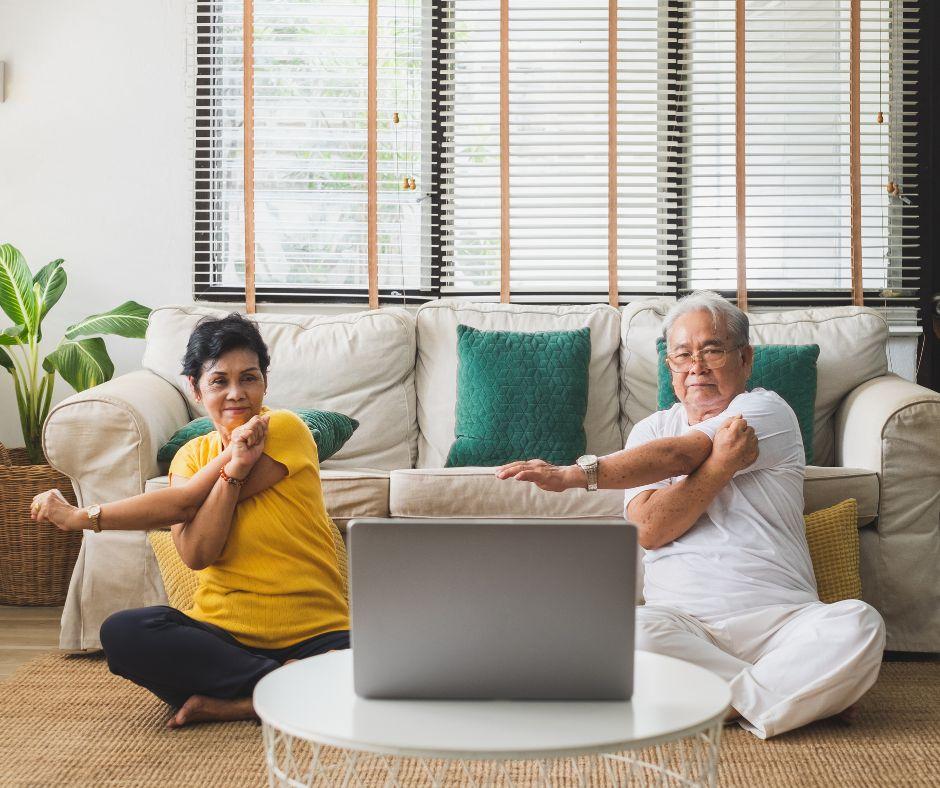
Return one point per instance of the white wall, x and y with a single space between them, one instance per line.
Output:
94 159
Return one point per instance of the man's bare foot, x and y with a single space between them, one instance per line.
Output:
201 708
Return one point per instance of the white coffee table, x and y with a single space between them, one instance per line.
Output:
308 706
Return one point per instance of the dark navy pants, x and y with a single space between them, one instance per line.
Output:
175 656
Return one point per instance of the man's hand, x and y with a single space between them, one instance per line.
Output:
51 507
543 475
247 445
735 446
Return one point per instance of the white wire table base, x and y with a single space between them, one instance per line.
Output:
299 763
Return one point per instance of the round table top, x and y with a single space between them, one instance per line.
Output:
313 699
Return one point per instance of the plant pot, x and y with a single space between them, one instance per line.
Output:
36 559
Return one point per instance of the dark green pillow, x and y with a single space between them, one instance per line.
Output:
520 395
790 370
330 432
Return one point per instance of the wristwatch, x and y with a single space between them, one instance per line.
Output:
588 464
94 514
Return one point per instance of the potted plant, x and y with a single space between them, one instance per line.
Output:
36 560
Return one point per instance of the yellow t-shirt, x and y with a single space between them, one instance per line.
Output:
276 582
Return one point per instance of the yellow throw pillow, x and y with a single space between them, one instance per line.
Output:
180 581
832 535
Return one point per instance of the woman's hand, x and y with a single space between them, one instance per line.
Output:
247 446
51 507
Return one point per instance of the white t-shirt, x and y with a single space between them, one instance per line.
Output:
749 547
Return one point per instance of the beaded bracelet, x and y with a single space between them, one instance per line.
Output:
230 480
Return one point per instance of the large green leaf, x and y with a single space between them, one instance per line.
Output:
52 280
16 287
82 364
12 335
5 361
127 320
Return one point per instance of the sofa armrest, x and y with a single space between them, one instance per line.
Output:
892 426
106 438
877 409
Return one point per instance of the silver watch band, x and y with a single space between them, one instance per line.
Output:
591 472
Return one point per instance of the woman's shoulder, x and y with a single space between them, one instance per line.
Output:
196 453
283 419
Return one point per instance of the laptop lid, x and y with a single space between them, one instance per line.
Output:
492 609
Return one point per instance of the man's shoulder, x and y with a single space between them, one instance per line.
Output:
763 401
761 395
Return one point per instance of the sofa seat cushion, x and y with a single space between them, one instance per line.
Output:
436 369
348 493
359 364
825 487
477 493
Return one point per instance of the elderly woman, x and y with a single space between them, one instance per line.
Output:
247 511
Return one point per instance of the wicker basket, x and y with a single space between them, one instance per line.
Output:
36 559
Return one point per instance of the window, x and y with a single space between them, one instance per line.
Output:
675 143
310 150
797 150
558 151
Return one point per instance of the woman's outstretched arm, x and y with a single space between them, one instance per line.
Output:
157 508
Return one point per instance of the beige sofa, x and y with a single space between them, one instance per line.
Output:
877 437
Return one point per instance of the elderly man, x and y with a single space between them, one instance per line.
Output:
729 583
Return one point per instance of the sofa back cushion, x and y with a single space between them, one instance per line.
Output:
436 371
852 349
359 364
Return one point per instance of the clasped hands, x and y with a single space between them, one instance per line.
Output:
733 449
246 445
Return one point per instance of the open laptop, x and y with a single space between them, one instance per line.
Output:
492 609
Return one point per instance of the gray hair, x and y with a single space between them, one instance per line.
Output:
735 320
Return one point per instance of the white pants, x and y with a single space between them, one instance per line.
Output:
787 664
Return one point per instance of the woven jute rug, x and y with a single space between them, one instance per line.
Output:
67 721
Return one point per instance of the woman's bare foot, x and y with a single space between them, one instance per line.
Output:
201 708
732 715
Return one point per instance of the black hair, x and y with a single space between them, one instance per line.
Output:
214 337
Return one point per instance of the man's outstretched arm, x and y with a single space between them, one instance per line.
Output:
653 461
661 516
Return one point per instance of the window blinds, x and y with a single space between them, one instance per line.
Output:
668 152
798 147
310 133
559 152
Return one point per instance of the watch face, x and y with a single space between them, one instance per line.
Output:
586 459
94 510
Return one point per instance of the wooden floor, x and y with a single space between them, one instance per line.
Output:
26 632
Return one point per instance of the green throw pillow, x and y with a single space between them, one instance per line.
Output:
790 370
520 395
330 432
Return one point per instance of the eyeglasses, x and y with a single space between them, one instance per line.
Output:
713 358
